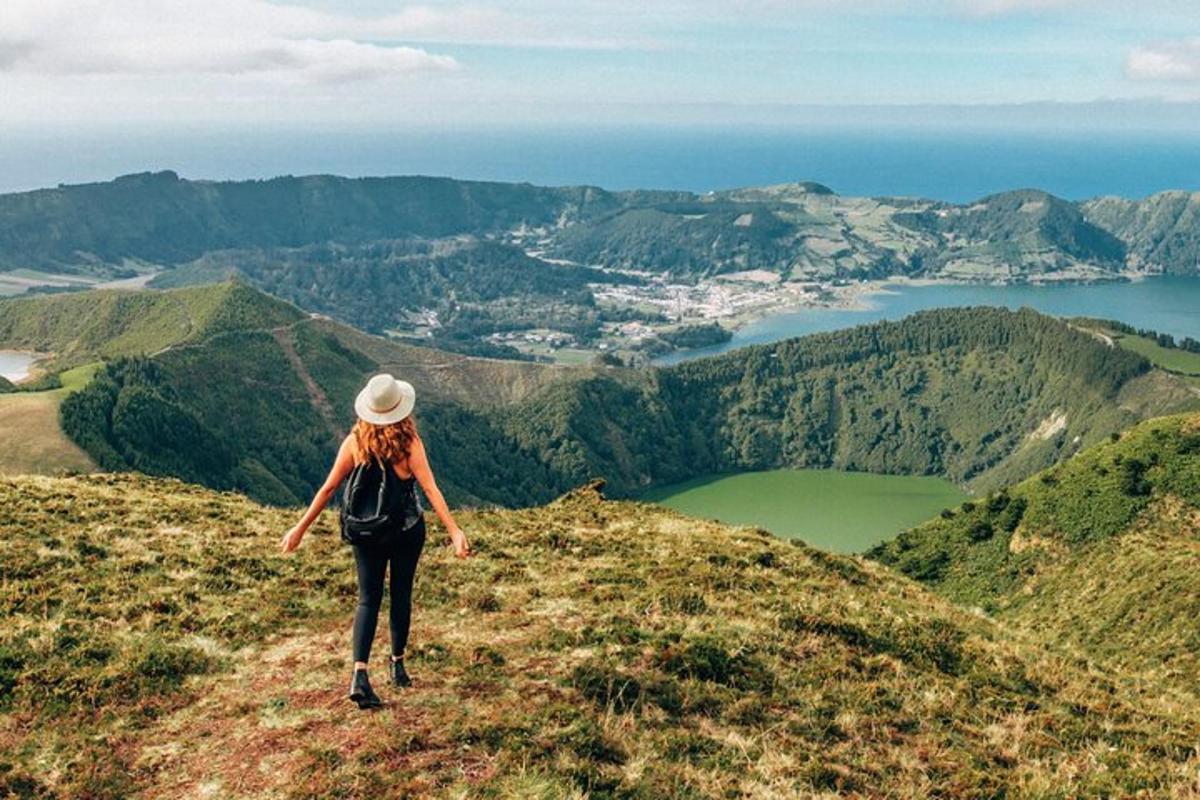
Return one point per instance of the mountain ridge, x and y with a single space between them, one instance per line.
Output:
133 218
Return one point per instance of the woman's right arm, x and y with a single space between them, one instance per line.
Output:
418 462
341 468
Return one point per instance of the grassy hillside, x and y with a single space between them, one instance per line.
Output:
155 645
79 328
1101 552
33 441
1179 358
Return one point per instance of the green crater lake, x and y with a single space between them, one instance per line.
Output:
846 512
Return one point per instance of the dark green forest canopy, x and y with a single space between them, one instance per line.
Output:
950 392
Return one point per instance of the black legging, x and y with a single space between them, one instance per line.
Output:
372 561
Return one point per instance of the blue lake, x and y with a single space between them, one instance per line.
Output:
1168 305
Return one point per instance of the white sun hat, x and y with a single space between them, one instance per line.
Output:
385 400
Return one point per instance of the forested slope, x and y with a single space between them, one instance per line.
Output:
461 289
262 411
1161 232
975 395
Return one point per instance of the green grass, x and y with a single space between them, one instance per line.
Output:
76 378
153 644
29 428
86 326
846 512
1173 359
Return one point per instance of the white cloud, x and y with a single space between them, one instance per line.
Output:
216 37
1001 7
1177 60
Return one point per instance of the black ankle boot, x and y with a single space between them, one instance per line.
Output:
361 691
400 677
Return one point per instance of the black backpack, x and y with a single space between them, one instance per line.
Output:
369 502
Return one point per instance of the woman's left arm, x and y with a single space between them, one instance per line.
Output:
418 462
341 468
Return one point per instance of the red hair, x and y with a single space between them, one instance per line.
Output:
390 444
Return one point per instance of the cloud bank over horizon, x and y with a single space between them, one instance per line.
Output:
368 63
1177 60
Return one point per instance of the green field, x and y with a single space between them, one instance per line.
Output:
846 512
33 440
1173 359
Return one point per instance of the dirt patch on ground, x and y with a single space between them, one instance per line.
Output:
1051 426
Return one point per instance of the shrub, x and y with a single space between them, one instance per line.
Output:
691 603
1133 478
12 661
997 502
926 568
766 559
980 531
19 784
588 741
937 642
707 659
483 600
1013 513
606 686
155 666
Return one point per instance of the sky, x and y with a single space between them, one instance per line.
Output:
366 64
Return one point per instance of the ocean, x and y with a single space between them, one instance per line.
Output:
954 166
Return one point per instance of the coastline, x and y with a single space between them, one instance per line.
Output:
873 300
858 296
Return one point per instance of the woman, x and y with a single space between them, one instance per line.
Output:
384 432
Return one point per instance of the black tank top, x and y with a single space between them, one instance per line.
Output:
406 507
